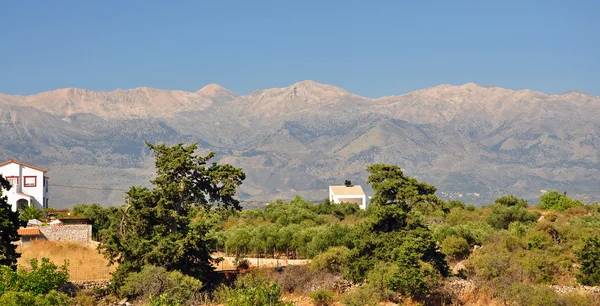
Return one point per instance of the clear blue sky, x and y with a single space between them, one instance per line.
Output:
372 48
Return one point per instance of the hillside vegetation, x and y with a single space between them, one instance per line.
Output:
408 246
439 253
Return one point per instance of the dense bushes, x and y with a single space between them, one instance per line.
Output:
589 257
303 280
395 234
250 290
365 295
501 216
26 298
379 278
510 200
333 260
295 229
39 286
103 217
557 201
158 282
322 297
396 250
455 247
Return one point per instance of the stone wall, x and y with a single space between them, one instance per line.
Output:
80 233
91 284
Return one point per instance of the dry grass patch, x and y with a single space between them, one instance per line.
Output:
85 263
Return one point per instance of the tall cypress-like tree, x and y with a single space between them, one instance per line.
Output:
9 225
589 257
393 234
169 225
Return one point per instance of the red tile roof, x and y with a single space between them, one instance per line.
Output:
29 231
24 194
22 164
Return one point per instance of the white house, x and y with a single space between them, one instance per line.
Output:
29 185
348 193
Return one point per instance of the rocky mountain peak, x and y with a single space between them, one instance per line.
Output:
212 90
312 87
468 139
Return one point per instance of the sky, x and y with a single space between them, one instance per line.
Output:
371 48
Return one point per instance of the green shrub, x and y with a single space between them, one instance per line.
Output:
532 295
458 216
52 298
441 231
455 247
36 287
538 240
492 263
455 204
414 279
361 296
84 298
157 281
17 298
42 277
163 300
510 200
502 216
333 260
24 298
557 201
588 256
518 229
475 232
321 297
551 217
579 298
29 212
379 279
250 290
540 266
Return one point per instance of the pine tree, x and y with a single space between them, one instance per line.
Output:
170 225
9 226
395 234
589 258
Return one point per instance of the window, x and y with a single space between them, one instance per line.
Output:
13 180
29 181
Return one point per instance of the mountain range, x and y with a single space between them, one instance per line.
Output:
473 142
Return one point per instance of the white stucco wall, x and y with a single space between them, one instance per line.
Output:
340 198
36 195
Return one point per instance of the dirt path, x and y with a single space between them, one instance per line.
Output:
229 262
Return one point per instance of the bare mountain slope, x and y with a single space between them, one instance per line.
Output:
118 104
473 142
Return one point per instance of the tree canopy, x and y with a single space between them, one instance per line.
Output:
589 257
557 201
170 225
9 226
395 234
392 187
29 212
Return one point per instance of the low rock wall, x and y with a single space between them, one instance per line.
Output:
91 284
78 233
